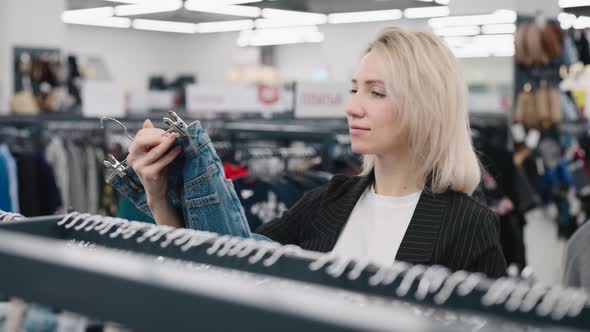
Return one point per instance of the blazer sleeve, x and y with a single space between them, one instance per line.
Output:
287 229
487 256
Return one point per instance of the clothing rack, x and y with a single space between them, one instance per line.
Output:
166 297
506 299
290 131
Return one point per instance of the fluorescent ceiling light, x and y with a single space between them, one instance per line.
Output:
236 2
366 16
148 8
165 26
442 2
279 14
424 0
264 23
91 13
458 31
498 28
425 12
225 26
126 1
224 2
573 3
112 22
497 17
280 36
232 10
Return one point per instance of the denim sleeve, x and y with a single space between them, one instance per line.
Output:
197 187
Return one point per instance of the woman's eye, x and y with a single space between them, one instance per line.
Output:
352 91
378 94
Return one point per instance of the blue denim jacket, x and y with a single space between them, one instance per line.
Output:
197 188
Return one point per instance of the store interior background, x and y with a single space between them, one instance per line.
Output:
132 56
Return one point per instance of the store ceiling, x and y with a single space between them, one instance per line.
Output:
315 6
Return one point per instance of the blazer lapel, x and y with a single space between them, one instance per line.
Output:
335 210
422 234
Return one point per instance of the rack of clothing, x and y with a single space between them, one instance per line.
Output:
261 285
325 137
27 182
550 127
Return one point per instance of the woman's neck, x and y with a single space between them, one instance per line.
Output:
396 177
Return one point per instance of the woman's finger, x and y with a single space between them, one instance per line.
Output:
148 123
147 141
164 161
158 151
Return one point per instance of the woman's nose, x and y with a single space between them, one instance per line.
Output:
354 108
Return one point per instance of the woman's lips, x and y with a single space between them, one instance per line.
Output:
356 130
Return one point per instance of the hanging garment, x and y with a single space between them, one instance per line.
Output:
522 54
38 192
570 53
40 318
260 203
534 44
582 45
78 190
5 200
57 156
12 177
552 40
92 180
127 210
209 202
577 265
570 112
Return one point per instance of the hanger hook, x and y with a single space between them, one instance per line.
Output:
117 122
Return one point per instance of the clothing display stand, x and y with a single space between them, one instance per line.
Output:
511 300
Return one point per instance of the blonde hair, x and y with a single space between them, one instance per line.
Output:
427 86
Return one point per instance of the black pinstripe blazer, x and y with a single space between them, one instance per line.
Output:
449 229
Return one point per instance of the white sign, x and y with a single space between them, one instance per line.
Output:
236 98
321 99
100 98
161 99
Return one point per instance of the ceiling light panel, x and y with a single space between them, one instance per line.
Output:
225 26
498 17
111 22
150 7
458 31
232 10
164 26
573 3
280 36
427 12
365 16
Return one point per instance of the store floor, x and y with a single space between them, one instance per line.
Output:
545 251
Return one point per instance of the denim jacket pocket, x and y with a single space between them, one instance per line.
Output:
202 211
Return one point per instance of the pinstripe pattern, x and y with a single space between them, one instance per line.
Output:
449 229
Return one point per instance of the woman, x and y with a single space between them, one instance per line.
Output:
407 116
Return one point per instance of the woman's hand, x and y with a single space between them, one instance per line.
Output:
149 154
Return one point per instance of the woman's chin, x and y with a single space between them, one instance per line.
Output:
360 149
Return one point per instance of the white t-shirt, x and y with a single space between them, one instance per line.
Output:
376 227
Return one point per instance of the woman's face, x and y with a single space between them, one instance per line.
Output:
372 116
